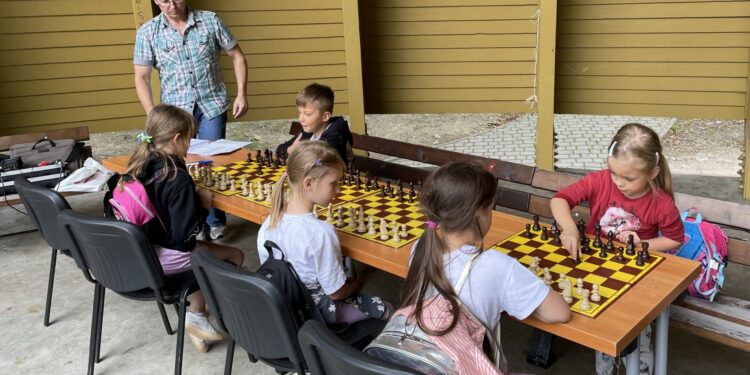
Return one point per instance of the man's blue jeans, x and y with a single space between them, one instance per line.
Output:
212 129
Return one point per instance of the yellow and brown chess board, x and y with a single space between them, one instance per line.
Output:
614 278
403 213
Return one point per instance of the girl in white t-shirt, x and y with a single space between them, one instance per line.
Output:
311 245
457 201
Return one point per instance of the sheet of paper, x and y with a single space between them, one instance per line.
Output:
222 146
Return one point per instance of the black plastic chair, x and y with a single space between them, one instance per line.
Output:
326 354
43 205
119 257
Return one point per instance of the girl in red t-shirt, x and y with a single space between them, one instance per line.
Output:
631 197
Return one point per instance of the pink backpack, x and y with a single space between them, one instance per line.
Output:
706 243
132 204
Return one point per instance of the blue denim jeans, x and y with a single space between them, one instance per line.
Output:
212 129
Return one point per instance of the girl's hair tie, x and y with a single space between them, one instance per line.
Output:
657 157
317 163
144 137
612 148
431 224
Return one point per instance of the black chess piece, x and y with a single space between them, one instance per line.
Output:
257 156
392 193
367 183
556 239
581 226
375 184
598 238
646 255
620 254
585 249
358 183
400 196
610 241
554 228
382 191
411 186
639 259
411 196
602 252
536 226
249 157
577 260
527 234
544 234
630 249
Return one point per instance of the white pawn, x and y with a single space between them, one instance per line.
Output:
250 190
361 214
260 195
362 228
245 191
533 266
268 192
566 293
330 212
585 305
370 226
404 233
340 223
579 286
383 230
231 186
395 238
562 280
595 293
547 276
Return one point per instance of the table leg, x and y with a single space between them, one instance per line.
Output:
633 360
662 340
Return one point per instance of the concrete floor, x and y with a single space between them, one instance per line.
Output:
134 340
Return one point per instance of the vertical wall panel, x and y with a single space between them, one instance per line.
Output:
653 58
448 55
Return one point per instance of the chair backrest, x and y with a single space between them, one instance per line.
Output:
251 309
116 253
325 353
43 205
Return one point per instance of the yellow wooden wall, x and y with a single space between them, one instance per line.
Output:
67 63
431 56
288 44
653 58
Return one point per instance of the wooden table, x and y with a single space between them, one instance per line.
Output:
610 332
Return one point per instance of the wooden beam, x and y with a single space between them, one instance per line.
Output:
143 11
353 49
746 159
545 145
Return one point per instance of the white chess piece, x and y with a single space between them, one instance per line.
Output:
352 218
340 222
370 226
547 276
566 292
231 186
562 280
404 233
579 286
383 230
595 293
330 212
585 305
395 238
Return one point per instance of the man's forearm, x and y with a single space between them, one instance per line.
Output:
143 90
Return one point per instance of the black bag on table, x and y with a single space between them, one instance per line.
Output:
50 151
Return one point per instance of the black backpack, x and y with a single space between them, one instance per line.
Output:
281 273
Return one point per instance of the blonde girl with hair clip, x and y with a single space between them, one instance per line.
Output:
632 197
158 163
311 245
457 201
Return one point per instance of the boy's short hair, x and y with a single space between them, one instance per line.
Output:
320 95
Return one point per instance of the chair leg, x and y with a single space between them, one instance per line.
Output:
165 319
50 284
180 332
94 326
230 357
101 322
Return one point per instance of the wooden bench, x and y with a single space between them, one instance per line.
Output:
525 190
80 133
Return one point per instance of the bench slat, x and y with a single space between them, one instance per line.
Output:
716 211
513 199
712 328
391 170
723 307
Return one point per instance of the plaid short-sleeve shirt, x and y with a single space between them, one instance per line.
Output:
189 68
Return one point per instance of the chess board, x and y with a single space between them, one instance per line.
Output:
614 278
380 207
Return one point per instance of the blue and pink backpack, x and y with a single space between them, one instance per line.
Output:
706 243
130 203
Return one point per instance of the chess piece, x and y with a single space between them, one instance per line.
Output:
340 222
396 238
330 212
630 249
598 232
547 276
245 190
556 239
352 218
411 196
602 252
610 241
595 293
231 186
404 233
585 249
646 256
639 259
370 226
620 255
361 213
527 234
536 226
268 192
579 286
585 304
383 230
554 229
250 191
222 185
567 293
534 266
362 228
562 280
544 234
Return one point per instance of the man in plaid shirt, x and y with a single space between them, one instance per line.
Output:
184 46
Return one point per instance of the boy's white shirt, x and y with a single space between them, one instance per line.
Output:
310 245
496 283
